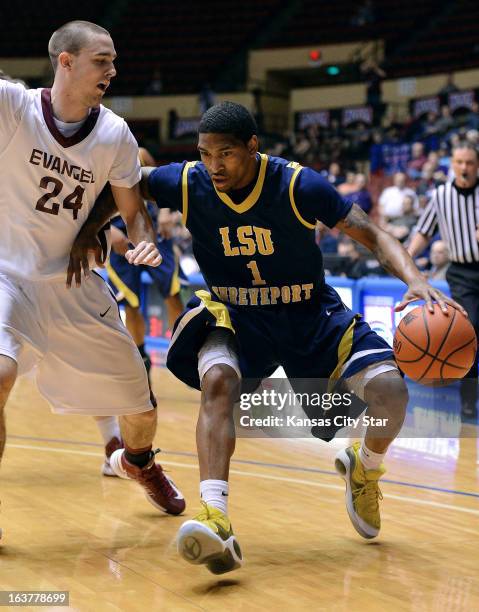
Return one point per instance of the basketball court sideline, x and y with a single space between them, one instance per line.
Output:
68 528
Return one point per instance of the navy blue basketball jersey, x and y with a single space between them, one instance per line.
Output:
260 251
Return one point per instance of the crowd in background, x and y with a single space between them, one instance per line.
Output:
393 189
356 160
393 193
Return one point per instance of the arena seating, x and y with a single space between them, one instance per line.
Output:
152 35
191 43
27 27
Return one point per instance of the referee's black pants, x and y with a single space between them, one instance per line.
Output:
463 281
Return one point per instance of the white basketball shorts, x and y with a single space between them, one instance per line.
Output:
84 358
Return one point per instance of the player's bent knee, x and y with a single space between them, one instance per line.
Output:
389 392
220 382
219 349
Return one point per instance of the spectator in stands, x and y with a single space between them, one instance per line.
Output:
302 147
391 200
334 131
445 121
409 128
472 136
444 156
349 185
427 183
376 155
449 87
439 257
373 77
418 159
359 263
454 140
361 195
423 201
439 172
400 227
472 118
155 87
334 175
430 124
360 142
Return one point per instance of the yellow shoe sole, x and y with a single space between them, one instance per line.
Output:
199 545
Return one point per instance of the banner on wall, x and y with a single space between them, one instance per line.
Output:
422 106
307 118
186 126
461 99
364 114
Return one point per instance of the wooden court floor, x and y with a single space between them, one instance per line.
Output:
68 528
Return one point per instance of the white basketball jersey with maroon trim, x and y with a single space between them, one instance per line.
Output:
49 183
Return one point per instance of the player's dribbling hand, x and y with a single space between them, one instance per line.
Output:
84 245
422 290
145 253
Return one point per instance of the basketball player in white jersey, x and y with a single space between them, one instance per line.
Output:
108 425
58 149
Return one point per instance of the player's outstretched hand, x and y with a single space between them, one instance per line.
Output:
145 253
422 290
85 243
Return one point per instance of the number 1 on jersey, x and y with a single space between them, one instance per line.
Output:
257 280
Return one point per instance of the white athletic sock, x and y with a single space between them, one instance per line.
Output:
370 459
109 428
215 493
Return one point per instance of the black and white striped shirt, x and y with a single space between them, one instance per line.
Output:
455 212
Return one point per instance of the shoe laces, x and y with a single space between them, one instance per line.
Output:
219 524
154 477
368 494
204 514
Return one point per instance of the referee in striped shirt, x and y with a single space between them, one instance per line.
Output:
454 210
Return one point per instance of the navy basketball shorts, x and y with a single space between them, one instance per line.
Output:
125 279
318 340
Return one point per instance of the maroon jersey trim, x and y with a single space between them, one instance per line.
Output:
69 141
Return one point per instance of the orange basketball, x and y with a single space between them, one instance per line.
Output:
433 348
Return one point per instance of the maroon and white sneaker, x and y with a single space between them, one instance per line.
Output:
160 490
113 445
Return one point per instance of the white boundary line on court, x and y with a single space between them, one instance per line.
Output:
299 481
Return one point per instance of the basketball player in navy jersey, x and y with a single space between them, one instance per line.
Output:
252 220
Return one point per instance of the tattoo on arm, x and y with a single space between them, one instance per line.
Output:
359 227
356 218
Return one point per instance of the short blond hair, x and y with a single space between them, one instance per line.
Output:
72 37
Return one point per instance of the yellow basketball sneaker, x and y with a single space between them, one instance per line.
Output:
362 491
209 539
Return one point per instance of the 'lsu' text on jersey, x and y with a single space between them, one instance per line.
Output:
260 251
47 196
